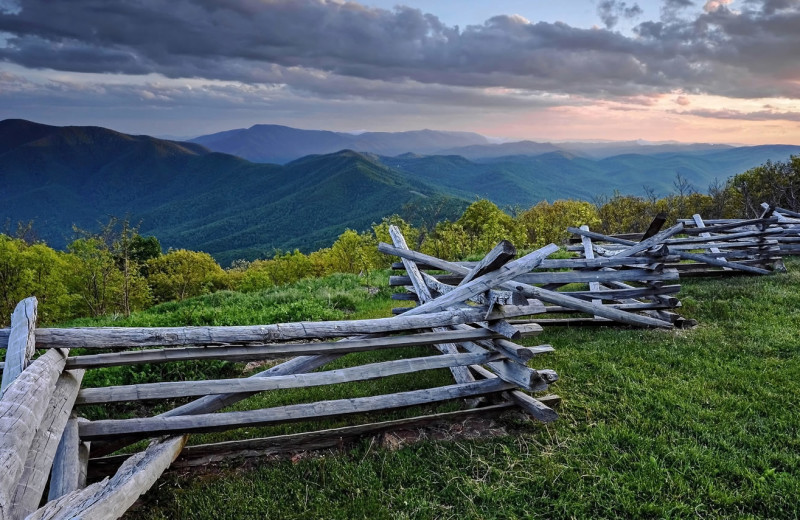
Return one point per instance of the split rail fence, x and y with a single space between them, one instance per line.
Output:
471 315
44 440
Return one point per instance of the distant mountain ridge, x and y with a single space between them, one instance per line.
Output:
191 197
188 196
282 144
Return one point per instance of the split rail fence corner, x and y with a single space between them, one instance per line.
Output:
43 439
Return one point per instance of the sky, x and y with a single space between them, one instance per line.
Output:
722 71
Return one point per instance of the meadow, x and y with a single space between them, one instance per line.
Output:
653 424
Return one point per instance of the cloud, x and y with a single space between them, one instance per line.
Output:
714 5
670 9
344 49
763 115
610 12
682 101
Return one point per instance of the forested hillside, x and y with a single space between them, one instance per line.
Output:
192 198
118 269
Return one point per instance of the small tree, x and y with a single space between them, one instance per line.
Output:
353 252
486 225
547 223
182 274
94 276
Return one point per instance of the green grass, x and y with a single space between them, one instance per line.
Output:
653 424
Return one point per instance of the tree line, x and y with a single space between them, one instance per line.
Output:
117 270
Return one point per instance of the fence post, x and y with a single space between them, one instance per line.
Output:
21 341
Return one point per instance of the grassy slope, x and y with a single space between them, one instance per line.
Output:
653 424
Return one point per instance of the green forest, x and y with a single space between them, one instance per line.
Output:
115 270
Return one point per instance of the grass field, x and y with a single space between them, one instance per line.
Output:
654 424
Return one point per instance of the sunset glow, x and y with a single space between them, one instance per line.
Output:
719 71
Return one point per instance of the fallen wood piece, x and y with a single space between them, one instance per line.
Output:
603 311
22 407
167 390
579 322
512 351
533 407
741 255
656 240
405 297
757 262
110 499
636 247
415 276
30 487
761 245
504 346
292 413
257 352
203 454
21 342
129 337
500 255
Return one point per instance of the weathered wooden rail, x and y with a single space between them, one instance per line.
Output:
44 438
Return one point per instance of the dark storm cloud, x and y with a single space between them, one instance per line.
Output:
306 43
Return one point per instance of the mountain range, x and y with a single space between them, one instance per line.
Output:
282 144
192 197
